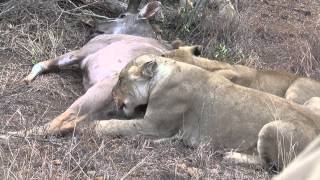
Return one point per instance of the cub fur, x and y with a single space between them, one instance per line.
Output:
313 104
205 106
292 87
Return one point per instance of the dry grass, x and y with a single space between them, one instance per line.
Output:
271 34
32 31
80 157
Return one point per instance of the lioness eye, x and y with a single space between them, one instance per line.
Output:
118 83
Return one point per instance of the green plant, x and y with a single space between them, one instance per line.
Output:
221 51
33 60
187 22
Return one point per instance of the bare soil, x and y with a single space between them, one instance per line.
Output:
277 34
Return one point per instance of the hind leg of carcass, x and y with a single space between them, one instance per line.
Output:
280 141
96 99
70 58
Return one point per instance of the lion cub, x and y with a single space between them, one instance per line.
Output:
292 87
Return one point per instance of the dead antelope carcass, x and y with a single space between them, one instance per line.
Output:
101 59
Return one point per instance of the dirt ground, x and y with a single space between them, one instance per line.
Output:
278 34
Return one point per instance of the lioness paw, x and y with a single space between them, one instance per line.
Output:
240 158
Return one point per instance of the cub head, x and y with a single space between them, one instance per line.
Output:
133 87
183 53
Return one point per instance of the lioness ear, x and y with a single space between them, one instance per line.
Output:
148 69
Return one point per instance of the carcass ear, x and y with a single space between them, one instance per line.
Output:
150 9
133 6
148 69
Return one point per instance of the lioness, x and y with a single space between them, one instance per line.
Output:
206 106
292 87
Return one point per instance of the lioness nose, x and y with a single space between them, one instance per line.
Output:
119 103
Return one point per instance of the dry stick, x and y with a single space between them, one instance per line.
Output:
66 87
11 117
72 3
5 11
95 153
78 166
134 168
88 14
111 4
305 12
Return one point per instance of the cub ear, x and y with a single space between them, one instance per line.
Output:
150 9
197 50
176 44
148 69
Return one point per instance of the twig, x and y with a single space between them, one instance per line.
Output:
88 14
304 12
3 12
134 168
80 7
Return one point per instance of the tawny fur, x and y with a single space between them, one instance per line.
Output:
205 106
101 59
313 104
292 87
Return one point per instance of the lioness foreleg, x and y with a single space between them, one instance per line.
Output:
242 158
91 103
126 127
96 99
62 124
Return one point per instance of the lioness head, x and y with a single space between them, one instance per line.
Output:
133 86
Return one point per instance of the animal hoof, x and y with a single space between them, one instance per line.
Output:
28 79
25 81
